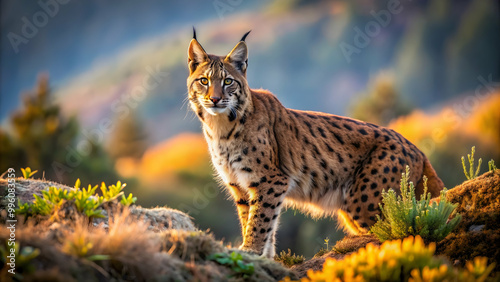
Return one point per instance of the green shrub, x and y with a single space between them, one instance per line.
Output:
404 215
86 201
289 260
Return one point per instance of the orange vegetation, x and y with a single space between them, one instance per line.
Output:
184 153
473 118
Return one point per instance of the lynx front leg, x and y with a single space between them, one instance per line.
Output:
242 205
266 197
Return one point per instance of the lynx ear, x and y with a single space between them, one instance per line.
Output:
196 54
238 57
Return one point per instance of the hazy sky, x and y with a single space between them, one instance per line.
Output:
66 37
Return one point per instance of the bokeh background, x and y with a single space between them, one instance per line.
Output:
96 89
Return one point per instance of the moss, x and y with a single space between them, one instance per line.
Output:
478 234
289 260
353 243
189 246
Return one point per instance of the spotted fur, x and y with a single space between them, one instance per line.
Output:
269 156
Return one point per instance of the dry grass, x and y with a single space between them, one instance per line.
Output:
131 244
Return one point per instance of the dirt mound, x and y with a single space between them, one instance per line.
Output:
129 244
478 234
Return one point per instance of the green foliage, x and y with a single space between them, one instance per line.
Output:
235 262
471 174
400 260
23 256
128 138
86 201
27 173
79 246
381 102
404 215
289 260
40 136
127 201
491 165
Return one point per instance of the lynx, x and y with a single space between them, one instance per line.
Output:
269 156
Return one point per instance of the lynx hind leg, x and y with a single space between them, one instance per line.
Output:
242 206
349 225
361 205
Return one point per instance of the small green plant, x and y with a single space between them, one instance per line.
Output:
491 165
27 173
289 260
471 174
404 215
127 201
86 201
235 262
323 251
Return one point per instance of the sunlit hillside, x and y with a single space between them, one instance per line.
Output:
163 164
448 134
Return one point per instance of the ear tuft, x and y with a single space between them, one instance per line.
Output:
245 36
196 54
194 33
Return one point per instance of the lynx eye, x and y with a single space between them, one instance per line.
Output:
204 81
228 81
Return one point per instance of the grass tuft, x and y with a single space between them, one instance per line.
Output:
289 260
404 215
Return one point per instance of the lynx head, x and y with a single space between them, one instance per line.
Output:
217 85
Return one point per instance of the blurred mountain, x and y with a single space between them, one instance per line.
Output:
295 49
316 55
181 158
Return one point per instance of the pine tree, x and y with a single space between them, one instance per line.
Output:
40 129
128 139
381 103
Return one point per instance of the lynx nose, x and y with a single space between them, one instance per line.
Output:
215 100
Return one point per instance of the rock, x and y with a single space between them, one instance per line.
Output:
476 228
159 218
130 244
478 234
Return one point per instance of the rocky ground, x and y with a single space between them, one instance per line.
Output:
478 233
128 244
161 244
